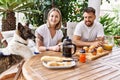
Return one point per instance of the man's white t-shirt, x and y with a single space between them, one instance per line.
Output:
89 33
45 33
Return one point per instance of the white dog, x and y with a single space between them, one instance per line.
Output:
17 48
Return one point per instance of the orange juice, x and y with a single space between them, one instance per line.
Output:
107 47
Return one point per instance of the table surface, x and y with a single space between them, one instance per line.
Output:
104 68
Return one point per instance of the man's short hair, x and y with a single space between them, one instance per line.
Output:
89 9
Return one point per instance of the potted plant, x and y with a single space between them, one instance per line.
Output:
8 9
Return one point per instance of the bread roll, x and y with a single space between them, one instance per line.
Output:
51 58
52 63
91 47
54 58
86 48
61 64
99 50
67 63
90 50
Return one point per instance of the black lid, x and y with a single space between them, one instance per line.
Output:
82 50
67 39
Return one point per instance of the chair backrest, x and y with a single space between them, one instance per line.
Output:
70 28
8 35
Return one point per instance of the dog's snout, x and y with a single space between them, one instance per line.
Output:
32 36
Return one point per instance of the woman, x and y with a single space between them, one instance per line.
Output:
3 42
49 35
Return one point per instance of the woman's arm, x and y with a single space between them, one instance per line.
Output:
39 43
41 47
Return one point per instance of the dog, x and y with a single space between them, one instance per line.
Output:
17 48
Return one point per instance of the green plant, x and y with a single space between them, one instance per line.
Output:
36 17
111 27
107 22
71 10
8 9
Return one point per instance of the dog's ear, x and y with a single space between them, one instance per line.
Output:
20 26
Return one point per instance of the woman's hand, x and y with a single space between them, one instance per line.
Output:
55 48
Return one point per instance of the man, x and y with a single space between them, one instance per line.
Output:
88 32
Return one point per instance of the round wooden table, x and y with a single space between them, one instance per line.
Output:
101 69
32 67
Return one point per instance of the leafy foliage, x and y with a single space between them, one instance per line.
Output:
8 9
71 10
14 6
111 27
35 17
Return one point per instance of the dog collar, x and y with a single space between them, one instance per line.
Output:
21 42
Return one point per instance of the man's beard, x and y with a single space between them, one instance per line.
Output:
89 24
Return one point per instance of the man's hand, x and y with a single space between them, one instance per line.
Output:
97 43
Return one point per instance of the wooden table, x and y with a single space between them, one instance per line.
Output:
104 68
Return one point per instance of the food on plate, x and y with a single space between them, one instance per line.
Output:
54 58
67 63
99 50
51 58
54 63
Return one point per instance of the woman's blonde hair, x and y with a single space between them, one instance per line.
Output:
58 26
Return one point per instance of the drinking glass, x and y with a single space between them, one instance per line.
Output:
109 42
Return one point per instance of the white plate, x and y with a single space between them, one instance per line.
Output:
72 63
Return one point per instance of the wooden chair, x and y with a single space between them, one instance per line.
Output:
118 40
70 28
116 37
15 75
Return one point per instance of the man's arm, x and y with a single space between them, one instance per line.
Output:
79 43
100 39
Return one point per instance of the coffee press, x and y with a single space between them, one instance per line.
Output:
68 47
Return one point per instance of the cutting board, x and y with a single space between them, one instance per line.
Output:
90 56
